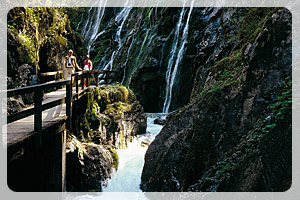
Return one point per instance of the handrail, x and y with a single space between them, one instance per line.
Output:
38 107
47 74
108 75
51 73
39 89
33 88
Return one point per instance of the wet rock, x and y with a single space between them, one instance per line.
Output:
14 105
145 143
89 165
160 121
22 78
112 113
149 97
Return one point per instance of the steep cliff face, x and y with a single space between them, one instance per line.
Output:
235 134
37 41
106 119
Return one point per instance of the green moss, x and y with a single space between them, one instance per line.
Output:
114 100
229 71
115 157
116 109
278 110
253 23
35 27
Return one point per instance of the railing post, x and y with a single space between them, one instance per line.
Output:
38 97
82 81
76 83
97 78
69 104
88 78
63 161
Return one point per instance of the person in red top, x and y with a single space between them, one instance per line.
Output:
88 66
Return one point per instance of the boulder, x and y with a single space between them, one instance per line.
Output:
89 165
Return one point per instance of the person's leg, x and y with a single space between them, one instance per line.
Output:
65 71
70 71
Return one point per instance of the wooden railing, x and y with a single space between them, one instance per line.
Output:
83 78
38 108
106 75
44 77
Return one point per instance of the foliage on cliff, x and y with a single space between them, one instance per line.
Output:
40 36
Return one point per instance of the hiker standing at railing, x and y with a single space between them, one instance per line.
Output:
70 65
88 66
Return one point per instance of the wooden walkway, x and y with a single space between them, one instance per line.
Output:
50 108
22 129
34 135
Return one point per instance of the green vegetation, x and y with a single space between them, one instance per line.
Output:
34 27
40 37
228 75
277 112
253 24
230 71
115 157
114 101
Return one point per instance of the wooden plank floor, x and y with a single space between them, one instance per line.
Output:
24 128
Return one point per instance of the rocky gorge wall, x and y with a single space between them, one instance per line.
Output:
236 132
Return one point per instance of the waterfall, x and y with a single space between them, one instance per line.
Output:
91 26
127 57
123 15
172 71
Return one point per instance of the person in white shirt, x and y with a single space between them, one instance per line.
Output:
70 65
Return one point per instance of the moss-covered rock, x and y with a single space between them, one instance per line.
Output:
114 113
105 119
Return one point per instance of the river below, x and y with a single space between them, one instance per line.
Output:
131 161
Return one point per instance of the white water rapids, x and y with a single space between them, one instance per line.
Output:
131 161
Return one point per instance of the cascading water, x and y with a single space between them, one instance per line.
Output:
172 71
127 57
171 61
127 178
131 161
122 16
91 26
